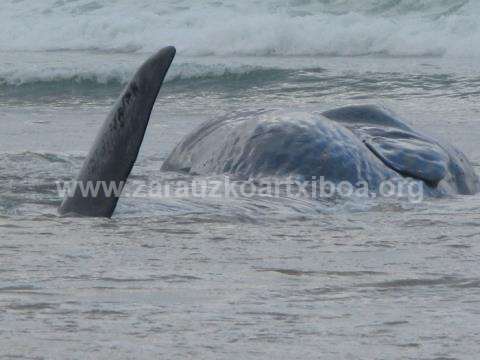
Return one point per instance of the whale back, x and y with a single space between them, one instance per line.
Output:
352 143
358 116
273 143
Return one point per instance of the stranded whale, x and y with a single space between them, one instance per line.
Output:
355 143
351 144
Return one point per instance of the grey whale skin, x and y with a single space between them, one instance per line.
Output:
354 143
113 154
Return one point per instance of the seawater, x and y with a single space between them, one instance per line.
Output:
240 277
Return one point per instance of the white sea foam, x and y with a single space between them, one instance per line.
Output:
247 27
109 38
86 67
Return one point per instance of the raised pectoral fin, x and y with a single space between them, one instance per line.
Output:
113 154
411 156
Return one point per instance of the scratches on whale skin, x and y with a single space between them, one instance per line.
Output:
128 98
124 103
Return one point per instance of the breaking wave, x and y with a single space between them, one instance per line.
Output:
249 27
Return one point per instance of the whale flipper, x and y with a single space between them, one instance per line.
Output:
411 156
395 143
116 147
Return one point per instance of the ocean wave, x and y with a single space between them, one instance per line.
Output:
227 27
104 75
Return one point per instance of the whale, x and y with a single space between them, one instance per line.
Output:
354 143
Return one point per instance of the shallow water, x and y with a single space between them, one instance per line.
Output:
240 277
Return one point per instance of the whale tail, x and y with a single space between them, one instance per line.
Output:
96 191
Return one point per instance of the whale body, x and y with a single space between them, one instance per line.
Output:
355 143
